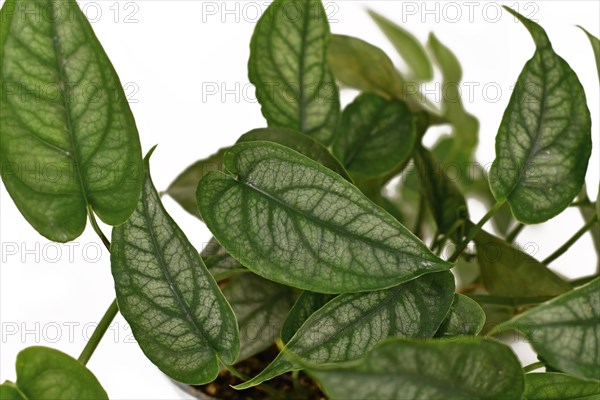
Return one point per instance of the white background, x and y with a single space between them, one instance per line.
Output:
169 53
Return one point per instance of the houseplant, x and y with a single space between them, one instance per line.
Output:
299 217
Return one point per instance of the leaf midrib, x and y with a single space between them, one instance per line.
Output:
240 179
301 94
172 287
373 125
365 314
66 104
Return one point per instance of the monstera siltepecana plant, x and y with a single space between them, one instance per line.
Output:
312 286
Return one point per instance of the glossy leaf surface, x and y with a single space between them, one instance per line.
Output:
300 224
72 140
352 324
45 373
288 66
175 309
544 142
466 368
375 136
565 331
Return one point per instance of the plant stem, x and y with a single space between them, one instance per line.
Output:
233 371
533 367
100 330
562 249
97 229
240 375
582 203
474 231
512 235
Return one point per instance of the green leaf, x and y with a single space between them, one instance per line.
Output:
176 311
183 188
301 224
465 368
407 46
288 66
510 272
306 305
10 391
376 136
352 324
71 142
544 142
360 65
260 307
45 373
303 144
466 126
465 317
555 386
565 330
595 42
447 204
219 262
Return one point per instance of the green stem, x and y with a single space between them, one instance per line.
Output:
562 249
474 231
296 380
582 203
512 235
97 229
100 330
233 371
533 367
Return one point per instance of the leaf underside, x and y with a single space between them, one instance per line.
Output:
508 271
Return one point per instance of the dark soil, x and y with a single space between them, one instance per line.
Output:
280 388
